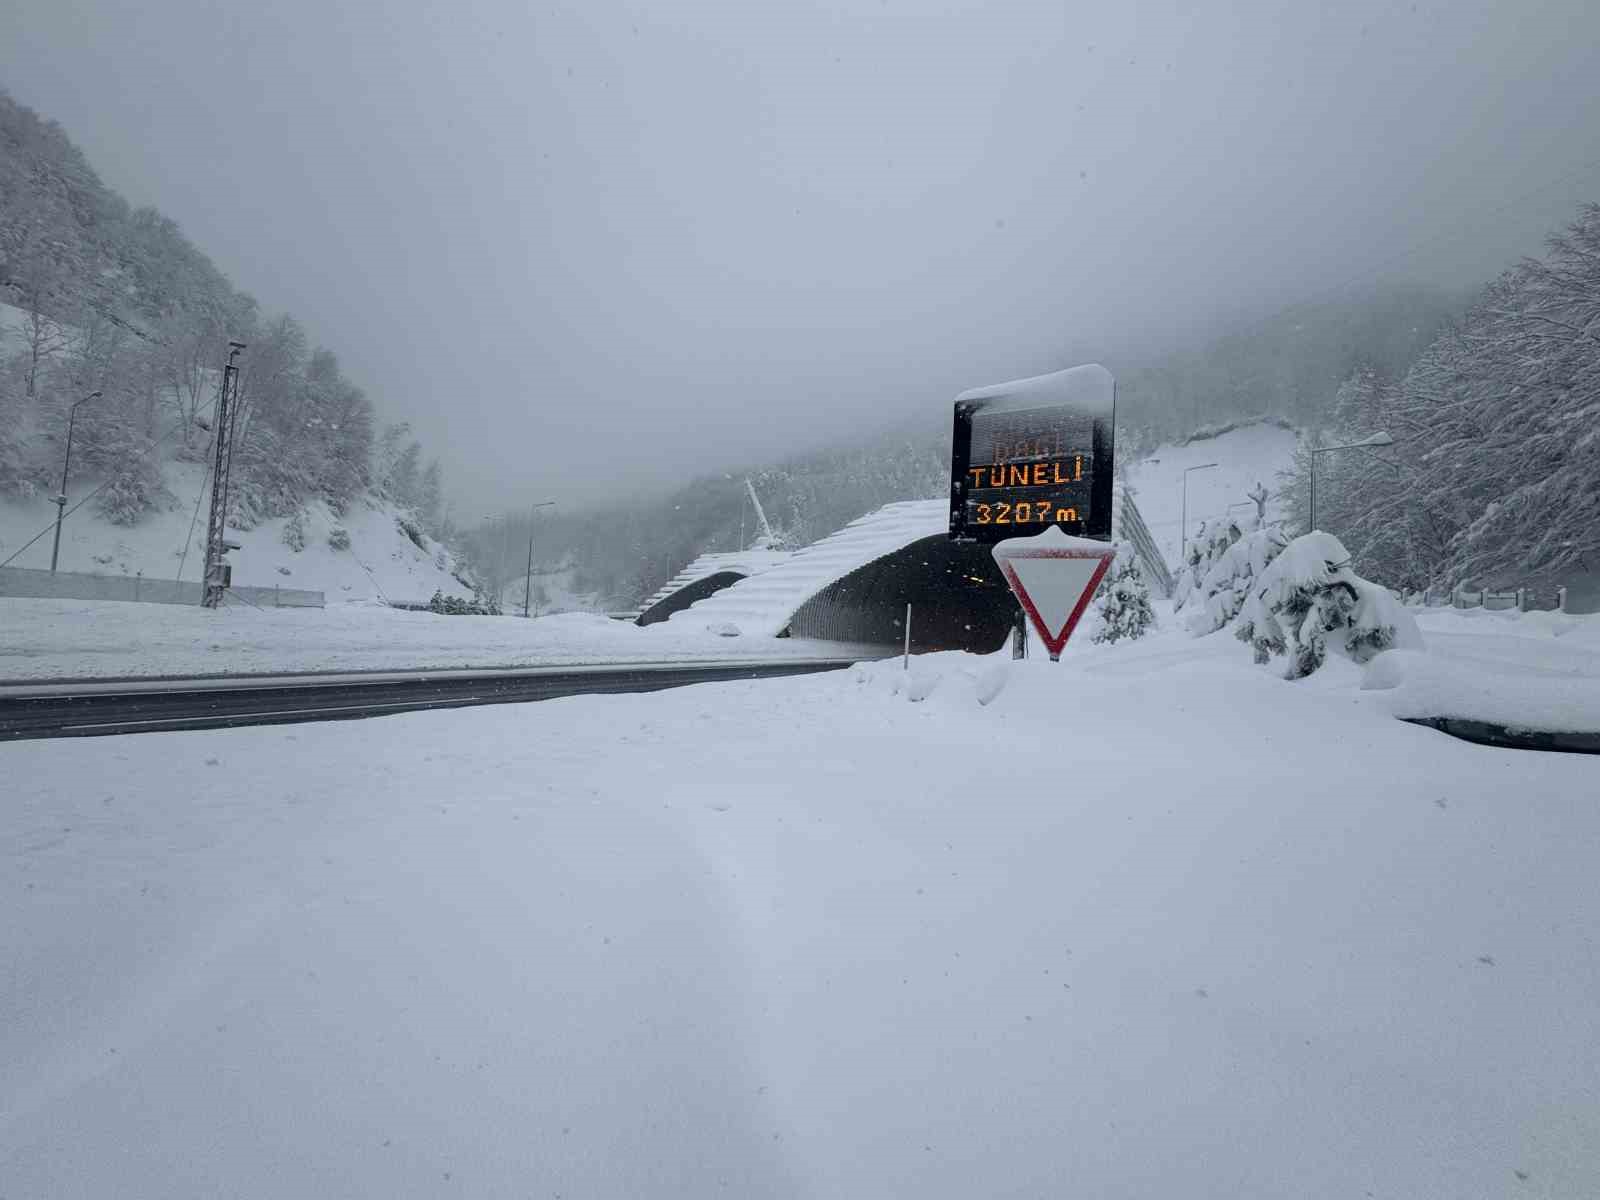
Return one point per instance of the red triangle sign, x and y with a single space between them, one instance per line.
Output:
1053 576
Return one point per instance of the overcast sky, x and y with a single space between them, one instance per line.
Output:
595 243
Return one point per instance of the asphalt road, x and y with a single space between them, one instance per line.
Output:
94 708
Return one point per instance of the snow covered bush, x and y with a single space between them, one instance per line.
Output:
294 531
480 606
1221 593
1124 608
132 492
1308 599
407 525
338 538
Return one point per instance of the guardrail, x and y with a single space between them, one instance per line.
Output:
1524 599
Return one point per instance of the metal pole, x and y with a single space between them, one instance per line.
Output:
500 572
1183 534
1019 634
61 496
1381 438
527 580
907 663
1313 524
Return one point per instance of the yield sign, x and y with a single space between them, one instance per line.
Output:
1053 575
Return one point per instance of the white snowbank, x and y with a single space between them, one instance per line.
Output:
42 639
1498 668
1110 935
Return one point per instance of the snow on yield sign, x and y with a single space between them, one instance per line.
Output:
1053 576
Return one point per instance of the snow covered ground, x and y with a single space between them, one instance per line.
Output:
1537 670
1245 456
1150 923
381 562
80 639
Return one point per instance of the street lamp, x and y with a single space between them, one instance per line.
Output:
61 497
1183 535
1381 438
500 564
527 580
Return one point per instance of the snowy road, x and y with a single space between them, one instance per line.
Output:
102 709
1152 923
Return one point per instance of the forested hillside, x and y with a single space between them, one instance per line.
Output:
112 299
1494 475
1493 403
1289 367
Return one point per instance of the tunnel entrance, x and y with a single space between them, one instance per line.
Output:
685 596
959 601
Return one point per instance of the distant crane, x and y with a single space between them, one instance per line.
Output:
768 540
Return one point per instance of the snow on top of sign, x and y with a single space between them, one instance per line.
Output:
763 605
1052 541
740 562
1088 385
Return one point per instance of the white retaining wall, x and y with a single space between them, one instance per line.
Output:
72 585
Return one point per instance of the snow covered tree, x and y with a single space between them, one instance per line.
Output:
1494 477
1124 604
1221 594
1208 545
430 495
294 531
1308 600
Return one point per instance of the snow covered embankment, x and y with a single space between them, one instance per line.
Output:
365 554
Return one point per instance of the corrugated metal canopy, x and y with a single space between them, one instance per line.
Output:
959 600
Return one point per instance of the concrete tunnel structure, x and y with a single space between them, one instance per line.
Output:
853 587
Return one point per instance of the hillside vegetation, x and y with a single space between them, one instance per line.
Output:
114 299
1494 476
1288 368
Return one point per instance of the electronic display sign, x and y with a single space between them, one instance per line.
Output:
1034 455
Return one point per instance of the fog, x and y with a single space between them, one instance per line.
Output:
594 245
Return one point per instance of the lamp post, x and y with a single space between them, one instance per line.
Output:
527 580
61 497
1183 535
500 564
1381 438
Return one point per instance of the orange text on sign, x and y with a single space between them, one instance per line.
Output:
1041 474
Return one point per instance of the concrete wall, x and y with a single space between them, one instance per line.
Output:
70 585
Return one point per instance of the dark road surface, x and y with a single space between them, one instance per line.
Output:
85 708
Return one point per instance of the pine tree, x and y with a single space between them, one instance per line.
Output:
1124 610
294 531
1309 601
1221 594
1208 545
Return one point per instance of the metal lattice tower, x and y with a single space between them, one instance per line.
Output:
216 573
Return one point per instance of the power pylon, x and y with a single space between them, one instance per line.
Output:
218 573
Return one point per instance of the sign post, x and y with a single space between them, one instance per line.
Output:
1030 475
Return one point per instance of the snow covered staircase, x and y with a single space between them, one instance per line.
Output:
764 604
